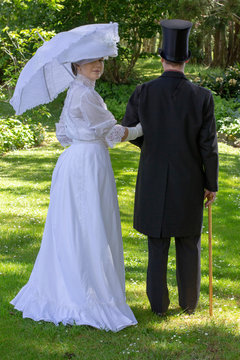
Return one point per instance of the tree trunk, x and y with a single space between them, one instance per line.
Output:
216 49
153 45
159 42
133 60
222 47
230 43
208 50
236 52
145 46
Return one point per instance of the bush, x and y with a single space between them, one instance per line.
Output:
14 134
226 89
227 115
17 47
115 96
230 127
227 85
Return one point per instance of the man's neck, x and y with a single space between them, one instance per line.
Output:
177 68
169 67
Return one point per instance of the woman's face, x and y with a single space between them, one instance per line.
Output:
93 70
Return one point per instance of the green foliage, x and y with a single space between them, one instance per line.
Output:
115 96
17 48
226 85
230 127
227 113
137 20
226 108
19 21
16 134
26 14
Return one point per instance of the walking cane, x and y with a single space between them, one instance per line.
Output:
210 256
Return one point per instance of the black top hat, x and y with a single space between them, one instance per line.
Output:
175 40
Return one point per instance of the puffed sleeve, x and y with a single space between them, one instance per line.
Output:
93 110
61 134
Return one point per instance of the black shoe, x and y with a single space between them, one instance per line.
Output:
189 311
161 314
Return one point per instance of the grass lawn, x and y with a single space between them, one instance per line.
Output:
24 191
150 68
25 178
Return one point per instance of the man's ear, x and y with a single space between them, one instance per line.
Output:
187 61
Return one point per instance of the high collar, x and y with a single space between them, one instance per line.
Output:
174 74
85 81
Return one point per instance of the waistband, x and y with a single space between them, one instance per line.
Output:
94 141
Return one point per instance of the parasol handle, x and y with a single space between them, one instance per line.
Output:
41 37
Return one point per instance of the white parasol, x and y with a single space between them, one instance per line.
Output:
48 72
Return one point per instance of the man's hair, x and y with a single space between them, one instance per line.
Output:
174 64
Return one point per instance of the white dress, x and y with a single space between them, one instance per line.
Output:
78 277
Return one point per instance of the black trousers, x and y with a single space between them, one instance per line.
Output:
188 261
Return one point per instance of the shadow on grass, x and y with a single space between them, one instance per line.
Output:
157 340
30 168
38 165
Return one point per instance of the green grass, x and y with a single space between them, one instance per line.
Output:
25 183
150 68
25 178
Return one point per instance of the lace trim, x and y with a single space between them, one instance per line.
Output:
15 101
115 135
85 81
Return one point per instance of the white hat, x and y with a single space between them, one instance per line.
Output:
86 61
93 42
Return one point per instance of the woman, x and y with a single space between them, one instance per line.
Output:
78 276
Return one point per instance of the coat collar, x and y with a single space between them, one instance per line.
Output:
174 74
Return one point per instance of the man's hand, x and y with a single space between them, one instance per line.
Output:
125 134
210 196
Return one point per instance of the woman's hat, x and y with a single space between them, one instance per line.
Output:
175 40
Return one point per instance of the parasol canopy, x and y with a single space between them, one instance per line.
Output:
48 72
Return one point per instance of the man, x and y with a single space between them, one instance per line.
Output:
178 168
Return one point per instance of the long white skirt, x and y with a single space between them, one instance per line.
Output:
78 276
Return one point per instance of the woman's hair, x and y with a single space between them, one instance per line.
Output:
74 68
82 62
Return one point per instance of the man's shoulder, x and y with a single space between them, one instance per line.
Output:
151 82
198 89
148 84
160 82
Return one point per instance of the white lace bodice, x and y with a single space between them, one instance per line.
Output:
85 116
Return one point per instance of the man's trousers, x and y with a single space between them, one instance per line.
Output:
188 261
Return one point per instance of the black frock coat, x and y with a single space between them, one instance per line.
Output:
179 155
